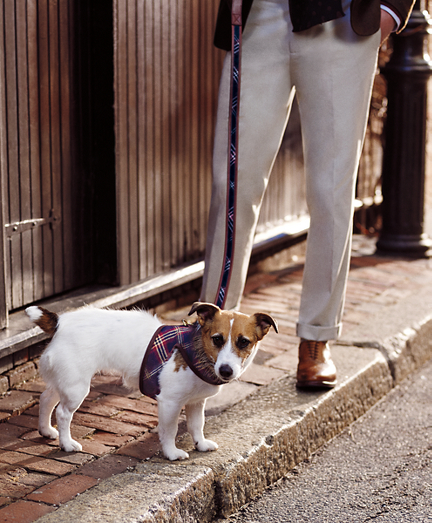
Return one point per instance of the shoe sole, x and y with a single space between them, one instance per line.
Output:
315 384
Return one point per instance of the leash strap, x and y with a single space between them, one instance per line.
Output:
236 36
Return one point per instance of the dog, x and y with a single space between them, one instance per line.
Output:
204 355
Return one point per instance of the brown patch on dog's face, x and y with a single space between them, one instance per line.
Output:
215 332
244 335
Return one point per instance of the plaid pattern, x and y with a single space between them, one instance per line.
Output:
165 340
232 165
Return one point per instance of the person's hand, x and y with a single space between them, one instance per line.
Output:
387 25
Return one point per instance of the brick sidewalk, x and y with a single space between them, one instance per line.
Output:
114 426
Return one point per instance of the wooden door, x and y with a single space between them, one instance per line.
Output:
49 161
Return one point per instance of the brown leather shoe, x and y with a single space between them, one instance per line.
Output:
315 367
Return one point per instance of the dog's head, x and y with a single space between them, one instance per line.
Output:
230 338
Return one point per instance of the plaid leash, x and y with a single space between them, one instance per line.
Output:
236 24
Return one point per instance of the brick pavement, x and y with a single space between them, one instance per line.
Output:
114 425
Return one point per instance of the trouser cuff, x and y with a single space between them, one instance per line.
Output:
316 333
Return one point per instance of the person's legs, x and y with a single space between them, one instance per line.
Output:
265 102
333 70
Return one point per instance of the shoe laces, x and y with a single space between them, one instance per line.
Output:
314 348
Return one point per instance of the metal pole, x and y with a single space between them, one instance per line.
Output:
403 173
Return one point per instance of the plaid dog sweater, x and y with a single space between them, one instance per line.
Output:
165 341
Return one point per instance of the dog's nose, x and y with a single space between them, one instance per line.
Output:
225 371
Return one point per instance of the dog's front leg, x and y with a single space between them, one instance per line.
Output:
168 413
195 423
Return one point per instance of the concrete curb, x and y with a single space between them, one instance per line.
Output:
260 438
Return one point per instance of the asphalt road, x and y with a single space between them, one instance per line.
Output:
379 470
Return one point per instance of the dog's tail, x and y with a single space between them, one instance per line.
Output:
43 318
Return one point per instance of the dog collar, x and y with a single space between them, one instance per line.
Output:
187 340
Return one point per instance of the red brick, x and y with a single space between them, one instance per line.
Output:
257 303
261 375
281 341
95 448
97 407
62 489
34 436
16 401
286 361
31 479
81 431
30 447
136 418
146 399
107 425
24 512
30 422
22 373
13 489
12 457
36 385
109 385
145 447
4 384
35 463
111 440
75 458
78 432
20 357
32 411
93 395
257 280
110 379
107 466
122 403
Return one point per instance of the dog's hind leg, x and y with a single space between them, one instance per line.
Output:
48 400
195 423
64 412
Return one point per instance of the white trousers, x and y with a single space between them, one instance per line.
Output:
331 70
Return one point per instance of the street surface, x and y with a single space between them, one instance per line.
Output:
380 469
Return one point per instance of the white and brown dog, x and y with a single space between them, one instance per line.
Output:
182 366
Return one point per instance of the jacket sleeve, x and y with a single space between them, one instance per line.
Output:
402 8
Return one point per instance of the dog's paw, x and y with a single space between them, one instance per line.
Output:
176 454
71 446
206 445
49 432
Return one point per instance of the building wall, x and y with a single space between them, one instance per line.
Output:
166 83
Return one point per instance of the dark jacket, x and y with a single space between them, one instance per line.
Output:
365 17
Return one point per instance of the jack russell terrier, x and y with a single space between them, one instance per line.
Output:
177 365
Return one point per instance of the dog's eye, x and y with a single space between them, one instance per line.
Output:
218 340
242 342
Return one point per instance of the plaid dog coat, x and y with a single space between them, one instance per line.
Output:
165 340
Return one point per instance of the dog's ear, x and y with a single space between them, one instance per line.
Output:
263 323
205 311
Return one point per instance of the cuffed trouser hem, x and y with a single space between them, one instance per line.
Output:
313 332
